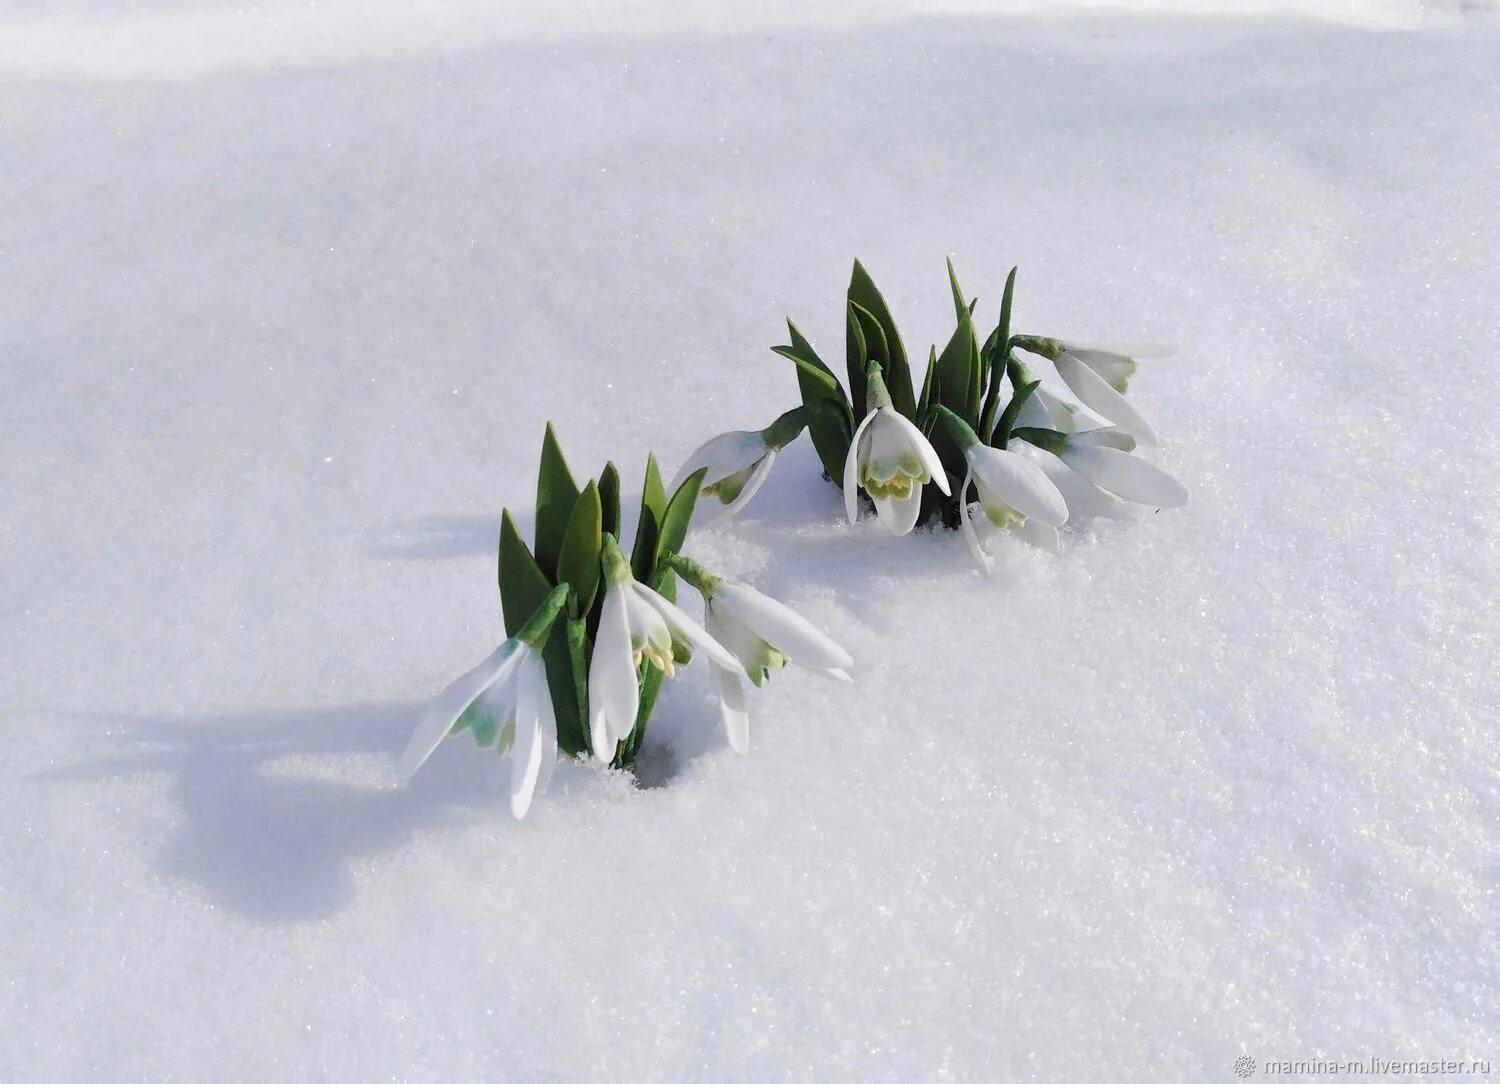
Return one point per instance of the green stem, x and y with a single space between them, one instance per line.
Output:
876 393
539 625
785 429
614 564
701 579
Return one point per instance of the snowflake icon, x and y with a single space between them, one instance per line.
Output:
1244 1066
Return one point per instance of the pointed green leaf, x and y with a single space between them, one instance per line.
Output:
829 421
960 306
609 499
927 383
955 371
523 584
643 552
1012 411
555 493
824 383
578 562
674 525
573 728
856 354
804 349
653 493
897 372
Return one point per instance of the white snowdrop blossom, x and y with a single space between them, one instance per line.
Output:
511 705
736 464
891 460
1015 494
637 627
764 635
1098 377
1103 456
1046 409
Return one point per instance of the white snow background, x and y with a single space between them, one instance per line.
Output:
286 299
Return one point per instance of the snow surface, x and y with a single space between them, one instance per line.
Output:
280 327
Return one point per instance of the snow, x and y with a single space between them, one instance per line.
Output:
281 323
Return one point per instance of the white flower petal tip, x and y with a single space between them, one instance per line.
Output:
510 688
451 703
1096 393
1126 476
755 623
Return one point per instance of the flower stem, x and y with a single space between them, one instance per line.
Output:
539 624
876 393
785 429
701 579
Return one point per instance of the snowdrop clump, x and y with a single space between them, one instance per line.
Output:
592 633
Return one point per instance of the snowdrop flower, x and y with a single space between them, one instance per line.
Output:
1047 410
737 463
1098 378
1103 457
636 626
764 635
891 460
1014 493
513 706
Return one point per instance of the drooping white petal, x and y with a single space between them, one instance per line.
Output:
614 697
924 449
729 687
745 645
645 622
899 514
782 627
752 484
449 704
723 455
1108 437
685 628
1126 476
1096 394
1034 413
851 470
1018 482
547 737
526 753
971 536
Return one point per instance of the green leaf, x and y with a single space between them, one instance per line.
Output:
609 499
960 306
643 552
573 731
674 525
555 494
862 291
804 349
1003 329
578 562
927 383
653 493
824 384
1007 422
830 420
523 584
955 371
856 354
